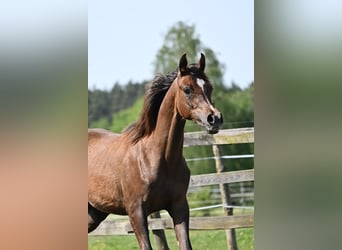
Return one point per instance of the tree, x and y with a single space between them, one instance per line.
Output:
116 94
98 105
182 38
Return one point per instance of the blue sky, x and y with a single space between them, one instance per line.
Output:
124 37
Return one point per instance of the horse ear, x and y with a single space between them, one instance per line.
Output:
201 64
183 63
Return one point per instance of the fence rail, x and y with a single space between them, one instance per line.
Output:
227 136
227 222
110 227
221 178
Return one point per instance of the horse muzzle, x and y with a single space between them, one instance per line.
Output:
215 121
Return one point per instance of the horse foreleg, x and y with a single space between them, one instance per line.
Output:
180 216
95 217
138 220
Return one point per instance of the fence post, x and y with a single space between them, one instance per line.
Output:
226 200
159 235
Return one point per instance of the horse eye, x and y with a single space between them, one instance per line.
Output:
187 90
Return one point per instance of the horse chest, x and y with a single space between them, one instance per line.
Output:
166 177
165 188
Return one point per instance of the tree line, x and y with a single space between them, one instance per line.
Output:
105 107
103 104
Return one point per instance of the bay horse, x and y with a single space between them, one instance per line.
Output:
143 170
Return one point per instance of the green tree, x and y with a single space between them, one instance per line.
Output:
98 105
182 38
116 94
127 116
104 104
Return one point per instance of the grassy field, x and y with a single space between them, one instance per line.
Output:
200 239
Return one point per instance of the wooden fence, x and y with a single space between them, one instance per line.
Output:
226 222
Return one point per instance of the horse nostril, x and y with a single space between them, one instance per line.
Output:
215 120
211 119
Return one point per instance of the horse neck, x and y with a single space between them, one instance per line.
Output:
169 132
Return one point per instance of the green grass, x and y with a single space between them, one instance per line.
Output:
200 239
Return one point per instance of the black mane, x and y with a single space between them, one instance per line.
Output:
154 96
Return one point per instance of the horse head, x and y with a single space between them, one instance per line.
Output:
194 95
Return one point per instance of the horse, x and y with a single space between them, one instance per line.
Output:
143 170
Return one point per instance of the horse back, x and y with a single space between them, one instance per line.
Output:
96 135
